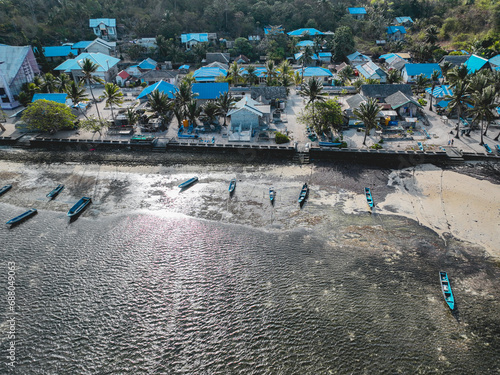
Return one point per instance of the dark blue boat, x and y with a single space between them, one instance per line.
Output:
189 182
303 193
369 197
232 186
498 149
5 189
79 206
22 217
446 288
330 144
55 192
488 149
272 195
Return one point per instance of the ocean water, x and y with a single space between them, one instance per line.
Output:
145 293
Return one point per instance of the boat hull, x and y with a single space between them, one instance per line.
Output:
232 186
369 198
446 289
79 206
188 183
5 189
55 192
272 195
303 194
24 216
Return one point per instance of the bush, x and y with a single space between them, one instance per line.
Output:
281 138
422 102
376 146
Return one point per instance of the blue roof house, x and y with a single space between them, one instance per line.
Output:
305 32
476 63
273 30
370 70
107 66
405 21
357 13
194 38
305 43
104 28
209 90
58 52
325 57
162 86
410 72
53 97
147 64
494 62
357 58
396 33
310 72
208 74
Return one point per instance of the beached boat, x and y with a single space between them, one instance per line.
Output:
5 189
498 149
56 191
303 193
189 182
330 144
420 146
446 288
22 217
369 197
272 195
232 186
488 149
79 206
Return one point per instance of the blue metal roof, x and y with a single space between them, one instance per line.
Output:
208 73
305 43
474 63
58 98
371 70
425 69
276 30
110 22
356 10
298 55
199 37
393 29
357 54
495 60
440 91
325 54
104 62
210 90
186 67
313 71
302 32
162 86
404 19
82 45
147 64
260 72
58 51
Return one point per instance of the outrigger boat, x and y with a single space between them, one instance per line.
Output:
55 192
369 198
5 189
22 217
232 186
79 206
272 195
446 288
189 182
303 193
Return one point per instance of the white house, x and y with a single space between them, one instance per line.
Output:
106 66
370 70
104 28
248 114
17 66
101 46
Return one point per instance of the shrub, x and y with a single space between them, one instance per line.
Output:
281 138
422 102
376 146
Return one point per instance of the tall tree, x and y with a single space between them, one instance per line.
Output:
483 106
210 111
313 92
225 102
76 92
233 73
251 76
62 82
48 116
368 113
394 76
159 102
113 95
89 68
434 79
458 100
342 43
305 58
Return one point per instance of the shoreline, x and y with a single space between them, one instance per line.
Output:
449 202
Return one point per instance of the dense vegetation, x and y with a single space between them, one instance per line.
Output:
458 22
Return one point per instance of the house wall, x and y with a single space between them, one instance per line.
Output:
108 33
96 47
246 119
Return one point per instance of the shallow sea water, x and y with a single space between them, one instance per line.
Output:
157 292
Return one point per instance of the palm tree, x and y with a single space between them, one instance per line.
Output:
211 111
434 78
234 73
394 76
76 92
132 116
458 73
445 68
421 82
182 97
270 72
458 99
484 105
159 102
225 102
62 82
368 113
88 68
48 83
193 111
313 91
113 95
431 35
250 75
306 58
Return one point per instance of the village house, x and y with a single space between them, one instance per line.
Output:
357 58
322 74
247 115
396 33
273 30
58 53
370 70
357 13
454 60
304 32
208 74
17 66
153 76
104 28
190 40
107 67
208 91
476 63
403 21
161 86
220 57
410 72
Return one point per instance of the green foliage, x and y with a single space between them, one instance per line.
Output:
342 43
376 146
422 102
93 124
281 138
48 116
323 116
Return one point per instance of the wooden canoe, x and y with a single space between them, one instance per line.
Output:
446 288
